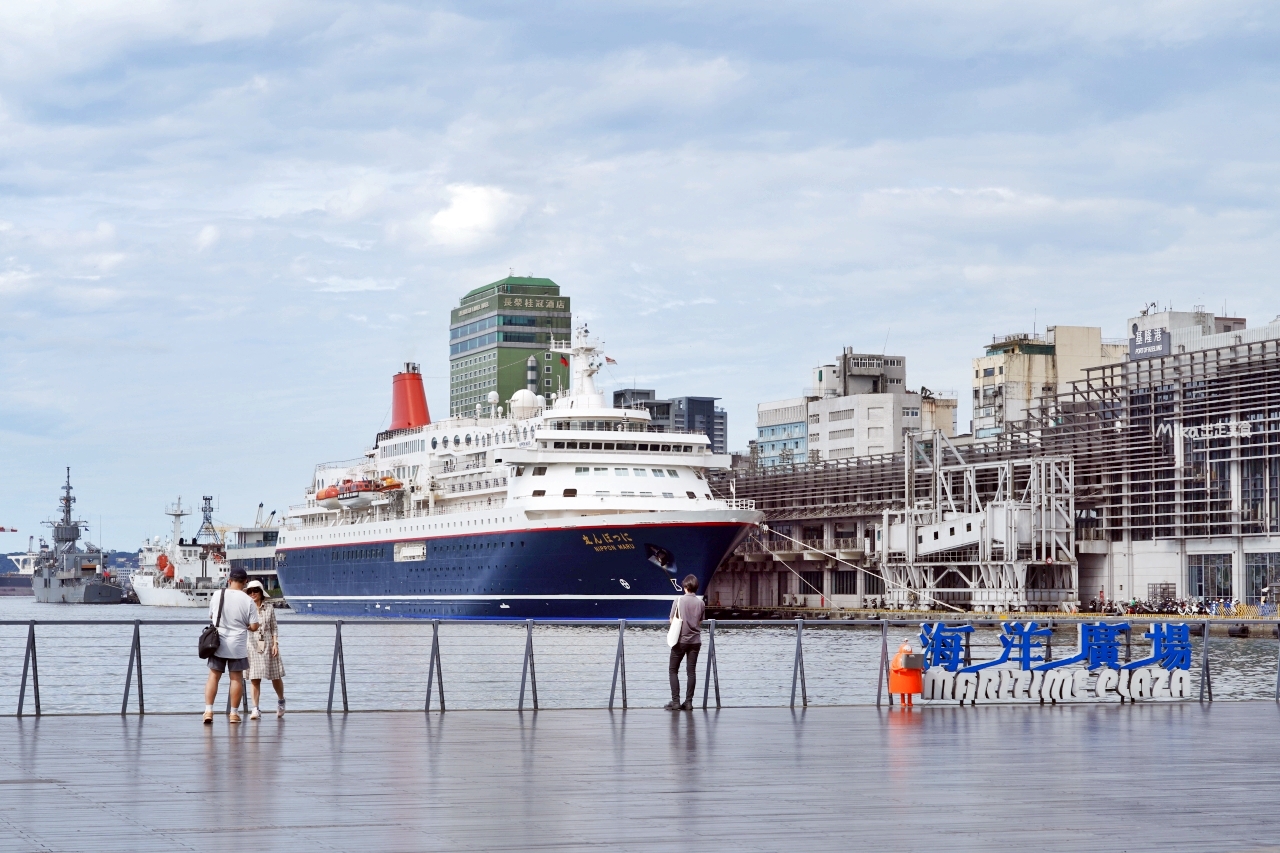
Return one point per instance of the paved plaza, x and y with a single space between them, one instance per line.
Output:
1170 777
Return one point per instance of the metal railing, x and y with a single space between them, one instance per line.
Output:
337 697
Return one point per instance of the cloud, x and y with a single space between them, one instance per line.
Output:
207 237
336 284
473 216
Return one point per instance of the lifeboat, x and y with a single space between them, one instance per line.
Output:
328 498
389 484
358 494
163 564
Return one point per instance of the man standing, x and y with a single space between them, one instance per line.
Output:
689 609
239 617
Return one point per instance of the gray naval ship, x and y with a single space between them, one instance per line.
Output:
68 573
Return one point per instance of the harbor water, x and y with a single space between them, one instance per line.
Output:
82 667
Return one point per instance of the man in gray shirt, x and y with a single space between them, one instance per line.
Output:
690 609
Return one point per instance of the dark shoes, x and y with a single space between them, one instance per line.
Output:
687 706
671 706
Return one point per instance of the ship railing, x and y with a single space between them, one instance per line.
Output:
739 503
344 463
57 666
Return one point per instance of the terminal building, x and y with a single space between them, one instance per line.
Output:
500 339
1155 476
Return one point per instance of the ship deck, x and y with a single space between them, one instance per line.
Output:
1167 777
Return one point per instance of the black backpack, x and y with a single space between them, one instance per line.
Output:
209 639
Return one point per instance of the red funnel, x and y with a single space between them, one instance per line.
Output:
408 400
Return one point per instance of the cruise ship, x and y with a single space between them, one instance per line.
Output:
554 509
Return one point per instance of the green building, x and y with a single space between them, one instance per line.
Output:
492 333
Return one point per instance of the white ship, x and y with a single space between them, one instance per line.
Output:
572 510
182 573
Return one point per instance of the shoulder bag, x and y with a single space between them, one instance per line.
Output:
209 639
677 624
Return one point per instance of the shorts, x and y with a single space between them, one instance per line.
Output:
218 664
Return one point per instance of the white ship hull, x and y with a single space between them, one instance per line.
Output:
151 595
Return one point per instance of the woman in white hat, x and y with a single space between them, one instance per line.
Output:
264 651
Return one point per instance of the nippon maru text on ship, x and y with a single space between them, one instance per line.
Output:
567 511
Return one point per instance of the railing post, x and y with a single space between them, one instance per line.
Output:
883 668
435 670
620 665
29 660
527 671
135 660
797 669
1278 665
1205 682
713 670
339 668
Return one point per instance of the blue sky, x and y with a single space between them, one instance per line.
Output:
223 226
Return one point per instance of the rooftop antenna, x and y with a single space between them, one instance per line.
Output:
1035 321
886 342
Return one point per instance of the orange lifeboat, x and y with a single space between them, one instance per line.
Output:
357 494
389 484
328 497
163 564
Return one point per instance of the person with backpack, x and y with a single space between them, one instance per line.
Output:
235 615
685 641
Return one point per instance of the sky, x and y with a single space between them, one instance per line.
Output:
223 226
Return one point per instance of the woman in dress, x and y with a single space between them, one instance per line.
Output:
264 651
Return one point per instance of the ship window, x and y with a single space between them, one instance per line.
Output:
519 470
628 494
582 472
644 447
468 439
666 448
646 494
626 446
457 442
572 445
602 494
672 474
621 472
570 493
433 444
540 471
602 472
708 497
668 495
595 445
639 472
538 493
557 445
692 496
608 445
657 472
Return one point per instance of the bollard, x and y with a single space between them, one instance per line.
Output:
528 669
434 669
339 668
135 660
620 665
713 671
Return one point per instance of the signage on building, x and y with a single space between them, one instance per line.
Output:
1023 671
1149 343
1226 429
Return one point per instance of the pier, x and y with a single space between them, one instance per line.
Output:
1064 778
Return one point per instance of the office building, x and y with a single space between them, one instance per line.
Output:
494 332
684 414
1020 369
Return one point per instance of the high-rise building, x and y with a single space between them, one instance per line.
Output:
500 337
1019 369
691 414
857 405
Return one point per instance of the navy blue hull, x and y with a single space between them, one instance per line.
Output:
607 572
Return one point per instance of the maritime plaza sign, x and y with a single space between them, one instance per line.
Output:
1023 672
1149 343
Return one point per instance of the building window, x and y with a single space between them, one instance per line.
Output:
546 369
1261 571
1209 575
989 371
546 383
